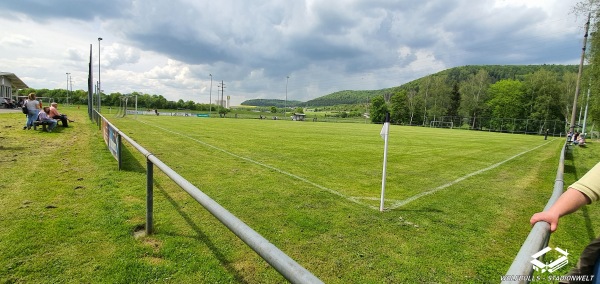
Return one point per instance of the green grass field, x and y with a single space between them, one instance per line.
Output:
458 202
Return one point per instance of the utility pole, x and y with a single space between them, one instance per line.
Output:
210 97
68 87
287 79
71 92
574 111
99 89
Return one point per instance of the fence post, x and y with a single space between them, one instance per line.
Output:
119 146
149 196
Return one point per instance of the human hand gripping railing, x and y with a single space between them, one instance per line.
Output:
540 233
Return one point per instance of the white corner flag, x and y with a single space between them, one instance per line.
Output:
385 131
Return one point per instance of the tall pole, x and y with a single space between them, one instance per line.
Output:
99 85
70 91
222 91
574 111
285 105
210 97
68 87
587 102
385 130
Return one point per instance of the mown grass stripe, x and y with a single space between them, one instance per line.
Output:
425 193
263 165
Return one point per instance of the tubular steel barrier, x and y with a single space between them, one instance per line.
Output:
540 233
285 265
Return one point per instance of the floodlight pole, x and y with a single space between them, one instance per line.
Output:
71 90
99 86
68 87
285 105
574 111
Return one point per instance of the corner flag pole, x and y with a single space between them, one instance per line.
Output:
385 130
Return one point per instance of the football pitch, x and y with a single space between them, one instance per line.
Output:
457 202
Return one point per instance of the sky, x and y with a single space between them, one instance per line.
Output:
275 49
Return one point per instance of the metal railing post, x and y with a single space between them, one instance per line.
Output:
149 196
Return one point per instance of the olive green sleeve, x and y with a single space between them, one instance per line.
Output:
589 184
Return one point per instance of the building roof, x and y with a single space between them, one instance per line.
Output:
16 82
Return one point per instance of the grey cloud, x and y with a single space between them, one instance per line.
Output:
75 9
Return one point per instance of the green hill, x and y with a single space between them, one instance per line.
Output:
271 102
455 75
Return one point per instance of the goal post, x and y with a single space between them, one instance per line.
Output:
441 124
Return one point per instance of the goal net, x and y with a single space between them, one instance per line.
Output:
441 124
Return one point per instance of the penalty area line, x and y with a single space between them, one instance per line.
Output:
354 200
425 193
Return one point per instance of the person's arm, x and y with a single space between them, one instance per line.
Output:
567 203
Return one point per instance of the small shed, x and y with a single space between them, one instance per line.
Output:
10 84
298 116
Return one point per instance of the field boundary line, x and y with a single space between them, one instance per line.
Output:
349 198
425 193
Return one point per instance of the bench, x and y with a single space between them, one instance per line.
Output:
42 123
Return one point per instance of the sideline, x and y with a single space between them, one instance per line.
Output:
349 198
425 193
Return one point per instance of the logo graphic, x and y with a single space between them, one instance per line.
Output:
553 265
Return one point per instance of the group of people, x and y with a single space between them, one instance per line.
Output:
8 103
577 138
49 115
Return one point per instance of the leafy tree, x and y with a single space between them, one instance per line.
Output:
412 100
399 110
223 111
507 99
273 109
454 101
567 93
543 87
473 94
378 109
424 90
299 110
439 95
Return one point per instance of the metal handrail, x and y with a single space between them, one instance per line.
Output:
540 233
285 265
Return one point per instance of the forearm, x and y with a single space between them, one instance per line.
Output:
569 202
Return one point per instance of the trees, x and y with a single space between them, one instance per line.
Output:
398 108
474 94
543 87
507 99
378 109
440 95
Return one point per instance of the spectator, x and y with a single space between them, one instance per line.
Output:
580 140
57 115
44 116
33 108
8 103
584 191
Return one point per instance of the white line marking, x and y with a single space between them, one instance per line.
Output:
425 193
266 166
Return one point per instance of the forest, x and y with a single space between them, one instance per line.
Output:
535 92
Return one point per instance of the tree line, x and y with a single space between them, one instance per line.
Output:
144 101
543 92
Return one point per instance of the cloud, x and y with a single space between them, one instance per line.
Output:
117 54
16 41
170 47
44 11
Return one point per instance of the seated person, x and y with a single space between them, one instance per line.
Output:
57 115
7 103
44 116
580 140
